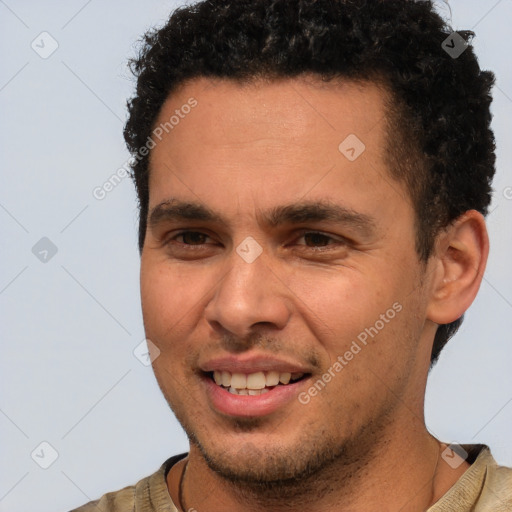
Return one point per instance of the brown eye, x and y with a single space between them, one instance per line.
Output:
192 237
316 239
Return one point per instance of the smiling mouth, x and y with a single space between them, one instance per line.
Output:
256 383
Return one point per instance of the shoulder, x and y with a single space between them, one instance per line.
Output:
497 489
117 501
149 494
484 487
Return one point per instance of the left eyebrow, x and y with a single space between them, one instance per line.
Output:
296 213
318 211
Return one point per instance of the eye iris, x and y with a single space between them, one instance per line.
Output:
193 238
316 239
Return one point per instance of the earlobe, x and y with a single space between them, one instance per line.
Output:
461 256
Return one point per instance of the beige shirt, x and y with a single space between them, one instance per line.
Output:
484 487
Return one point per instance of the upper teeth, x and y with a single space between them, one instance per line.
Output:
258 380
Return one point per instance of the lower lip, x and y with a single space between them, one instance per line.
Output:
251 405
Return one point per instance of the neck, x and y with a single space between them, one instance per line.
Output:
397 472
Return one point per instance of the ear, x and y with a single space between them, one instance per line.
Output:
459 265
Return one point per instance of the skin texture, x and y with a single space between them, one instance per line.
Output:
243 150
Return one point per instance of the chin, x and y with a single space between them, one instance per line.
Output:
258 464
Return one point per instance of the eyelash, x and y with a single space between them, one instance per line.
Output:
304 233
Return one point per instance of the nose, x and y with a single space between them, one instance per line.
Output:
250 294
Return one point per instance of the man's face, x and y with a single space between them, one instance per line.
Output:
328 285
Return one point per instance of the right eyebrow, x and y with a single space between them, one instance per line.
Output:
175 210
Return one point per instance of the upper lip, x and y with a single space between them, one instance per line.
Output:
252 364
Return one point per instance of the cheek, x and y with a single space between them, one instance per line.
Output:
168 300
372 321
341 303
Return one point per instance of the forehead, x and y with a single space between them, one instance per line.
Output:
301 106
266 141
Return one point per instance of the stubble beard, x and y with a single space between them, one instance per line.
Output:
320 462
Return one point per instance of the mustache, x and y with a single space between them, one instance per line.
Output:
234 344
267 344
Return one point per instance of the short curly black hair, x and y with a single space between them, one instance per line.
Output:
440 141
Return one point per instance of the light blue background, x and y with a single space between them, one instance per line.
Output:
67 369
